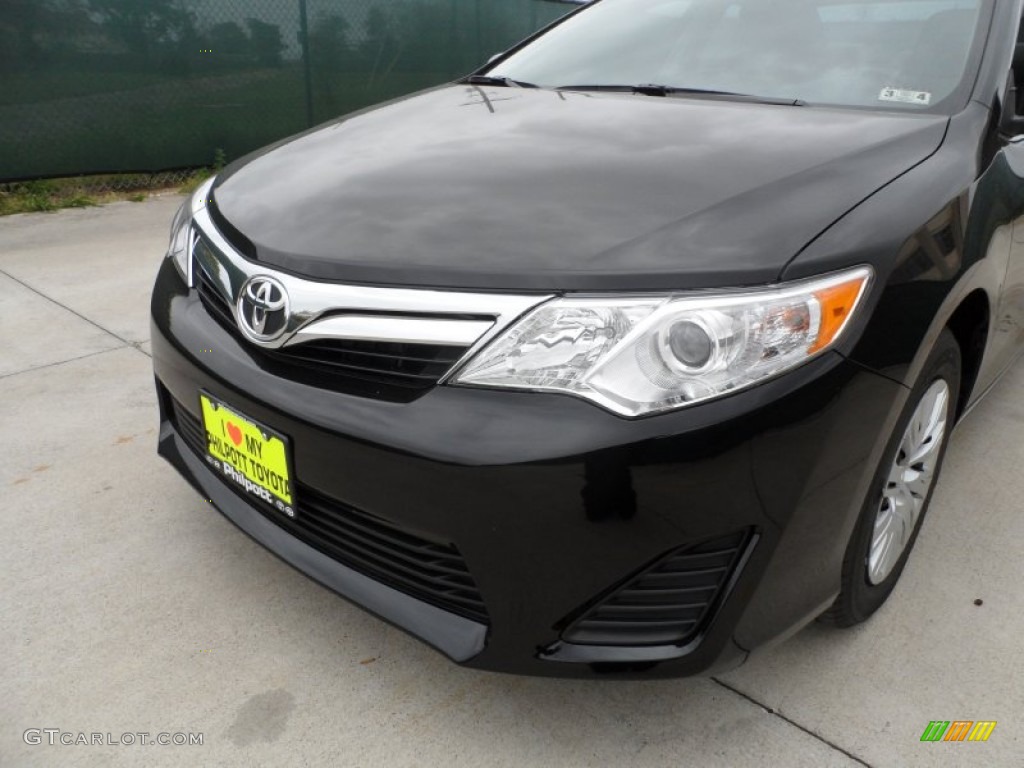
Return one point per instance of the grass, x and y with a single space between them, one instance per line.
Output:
35 196
191 184
46 195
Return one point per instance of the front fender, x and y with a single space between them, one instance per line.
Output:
934 236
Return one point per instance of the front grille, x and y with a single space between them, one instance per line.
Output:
433 572
415 367
211 295
382 370
668 603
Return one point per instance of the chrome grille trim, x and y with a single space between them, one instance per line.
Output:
405 330
357 312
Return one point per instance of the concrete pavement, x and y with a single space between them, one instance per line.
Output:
130 606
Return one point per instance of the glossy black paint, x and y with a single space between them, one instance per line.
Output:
530 488
460 638
609 191
551 499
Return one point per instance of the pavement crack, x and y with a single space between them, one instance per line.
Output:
61 362
77 314
790 721
138 345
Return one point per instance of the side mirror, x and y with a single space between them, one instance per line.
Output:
1010 123
1013 128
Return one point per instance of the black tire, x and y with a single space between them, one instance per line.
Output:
859 598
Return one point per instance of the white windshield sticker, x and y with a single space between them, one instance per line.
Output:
905 96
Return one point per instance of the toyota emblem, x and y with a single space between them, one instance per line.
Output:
263 309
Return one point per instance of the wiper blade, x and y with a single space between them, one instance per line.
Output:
646 90
750 97
502 82
649 89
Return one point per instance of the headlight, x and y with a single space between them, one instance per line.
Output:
641 355
182 233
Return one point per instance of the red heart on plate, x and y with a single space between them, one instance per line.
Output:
235 433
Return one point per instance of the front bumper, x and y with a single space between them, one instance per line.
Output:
552 502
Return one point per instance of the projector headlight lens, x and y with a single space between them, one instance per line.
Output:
642 355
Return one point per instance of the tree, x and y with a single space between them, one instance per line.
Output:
266 42
427 31
145 27
328 43
382 46
30 30
228 39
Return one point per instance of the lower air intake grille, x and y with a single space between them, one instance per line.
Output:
432 572
666 604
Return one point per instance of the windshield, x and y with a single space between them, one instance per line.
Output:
903 54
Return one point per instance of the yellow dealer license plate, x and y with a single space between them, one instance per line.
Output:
247 454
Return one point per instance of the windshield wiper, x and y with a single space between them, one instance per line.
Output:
502 82
671 90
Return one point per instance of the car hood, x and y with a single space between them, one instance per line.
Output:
521 189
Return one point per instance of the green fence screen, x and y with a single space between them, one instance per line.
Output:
102 86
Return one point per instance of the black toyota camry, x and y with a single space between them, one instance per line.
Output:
631 352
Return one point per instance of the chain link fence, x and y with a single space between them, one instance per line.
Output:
159 87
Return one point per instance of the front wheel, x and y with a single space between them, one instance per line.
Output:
901 490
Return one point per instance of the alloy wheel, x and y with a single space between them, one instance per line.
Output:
909 482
